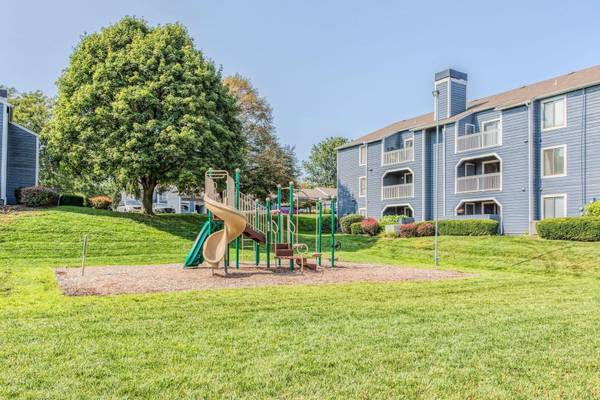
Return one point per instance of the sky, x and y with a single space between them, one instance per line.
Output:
342 68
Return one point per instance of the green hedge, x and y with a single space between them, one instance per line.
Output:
356 228
390 220
68 199
348 220
307 223
584 229
466 227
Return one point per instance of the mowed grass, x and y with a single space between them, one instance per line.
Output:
527 327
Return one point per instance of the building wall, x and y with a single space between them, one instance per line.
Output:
2 133
442 86
348 172
458 97
21 169
376 171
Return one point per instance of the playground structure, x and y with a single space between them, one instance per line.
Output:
233 216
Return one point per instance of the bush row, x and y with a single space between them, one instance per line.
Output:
585 229
41 196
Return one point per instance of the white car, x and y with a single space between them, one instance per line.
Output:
163 209
131 205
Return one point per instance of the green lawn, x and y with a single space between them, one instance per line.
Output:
526 328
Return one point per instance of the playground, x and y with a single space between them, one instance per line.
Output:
170 277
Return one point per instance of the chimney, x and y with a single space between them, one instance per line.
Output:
3 94
452 86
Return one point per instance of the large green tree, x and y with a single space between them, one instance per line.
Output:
142 106
321 166
267 162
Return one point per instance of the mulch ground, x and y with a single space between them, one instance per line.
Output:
172 277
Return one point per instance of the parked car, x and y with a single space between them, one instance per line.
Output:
130 205
163 209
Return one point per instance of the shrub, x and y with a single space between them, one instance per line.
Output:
390 220
356 228
71 200
100 202
593 209
38 196
18 195
408 230
348 220
425 229
585 229
468 227
370 226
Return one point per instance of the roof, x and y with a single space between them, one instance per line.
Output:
316 193
512 98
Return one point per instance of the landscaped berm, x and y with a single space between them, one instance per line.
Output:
518 319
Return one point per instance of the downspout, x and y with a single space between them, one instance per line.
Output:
530 162
583 150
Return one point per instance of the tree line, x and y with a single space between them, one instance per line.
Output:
140 108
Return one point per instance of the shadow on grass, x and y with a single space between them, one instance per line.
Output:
185 226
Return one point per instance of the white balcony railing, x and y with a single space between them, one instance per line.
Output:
479 183
398 156
397 191
479 140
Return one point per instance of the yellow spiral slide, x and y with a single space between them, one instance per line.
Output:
234 224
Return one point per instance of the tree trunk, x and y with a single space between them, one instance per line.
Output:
148 186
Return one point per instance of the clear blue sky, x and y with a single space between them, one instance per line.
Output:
328 67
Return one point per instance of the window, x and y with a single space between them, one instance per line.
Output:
469 129
362 186
363 212
362 155
470 169
408 178
554 161
554 206
491 126
469 208
554 114
408 143
490 208
491 167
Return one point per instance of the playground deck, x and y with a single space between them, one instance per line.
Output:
171 277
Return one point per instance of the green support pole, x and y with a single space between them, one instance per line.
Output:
268 232
237 207
319 230
279 220
291 220
226 262
332 232
256 246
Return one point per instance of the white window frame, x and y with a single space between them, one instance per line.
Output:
362 211
468 124
470 204
361 178
410 139
564 146
361 161
408 205
563 195
483 203
489 121
552 100
484 163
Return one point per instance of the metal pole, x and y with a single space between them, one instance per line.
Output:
319 230
436 96
332 232
279 220
84 254
237 207
256 246
291 221
268 232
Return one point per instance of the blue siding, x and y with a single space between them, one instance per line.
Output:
376 171
22 147
443 98
348 172
581 185
2 111
458 97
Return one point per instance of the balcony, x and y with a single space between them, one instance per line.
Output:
476 141
394 192
398 156
479 183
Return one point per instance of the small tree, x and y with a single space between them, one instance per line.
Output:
141 106
321 166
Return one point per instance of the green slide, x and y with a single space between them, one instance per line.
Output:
195 257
